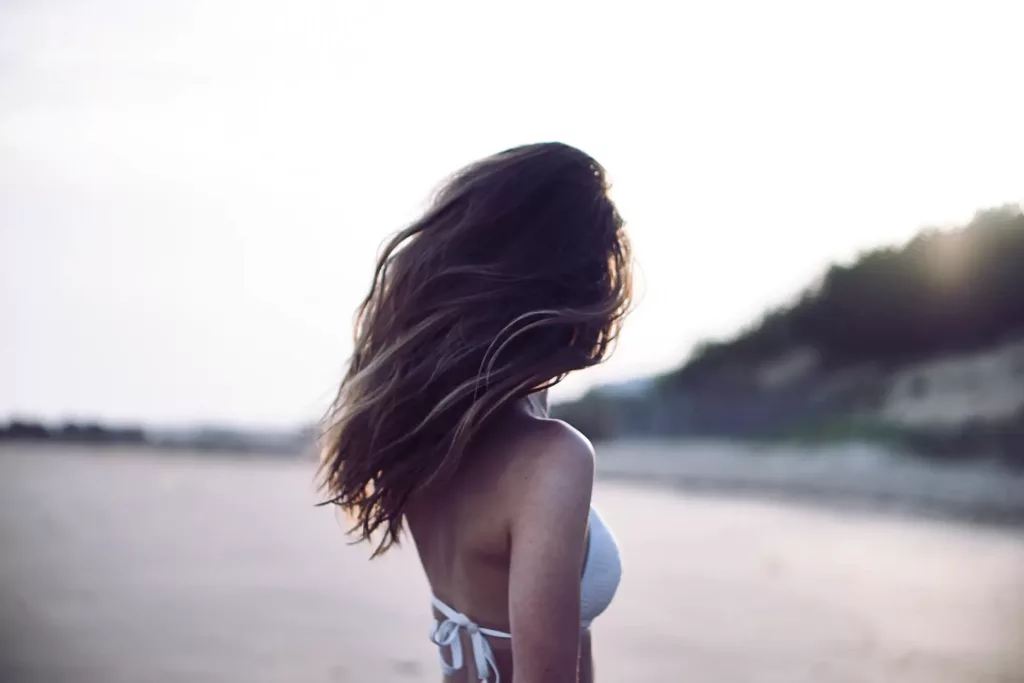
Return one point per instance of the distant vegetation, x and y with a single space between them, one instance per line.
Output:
293 442
24 430
945 292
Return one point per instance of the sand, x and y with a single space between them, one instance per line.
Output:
138 567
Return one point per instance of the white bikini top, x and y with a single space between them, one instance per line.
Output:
602 571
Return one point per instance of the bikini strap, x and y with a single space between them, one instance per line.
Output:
445 634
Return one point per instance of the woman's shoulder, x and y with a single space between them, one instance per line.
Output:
550 452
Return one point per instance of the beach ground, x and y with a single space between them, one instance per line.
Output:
145 567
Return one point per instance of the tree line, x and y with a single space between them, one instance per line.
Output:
943 292
71 432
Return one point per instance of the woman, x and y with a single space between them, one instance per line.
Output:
518 274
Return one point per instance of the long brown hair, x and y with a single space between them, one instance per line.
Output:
518 274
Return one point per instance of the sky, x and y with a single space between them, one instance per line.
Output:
192 192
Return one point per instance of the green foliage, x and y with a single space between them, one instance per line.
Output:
942 292
30 430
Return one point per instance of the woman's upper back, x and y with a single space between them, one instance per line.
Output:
503 541
462 530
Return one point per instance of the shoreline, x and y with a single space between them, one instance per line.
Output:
837 501
859 477
845 476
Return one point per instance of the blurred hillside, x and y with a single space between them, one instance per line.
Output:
920 346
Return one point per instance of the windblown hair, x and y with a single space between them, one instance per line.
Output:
518 274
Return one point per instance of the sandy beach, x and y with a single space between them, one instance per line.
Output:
138 567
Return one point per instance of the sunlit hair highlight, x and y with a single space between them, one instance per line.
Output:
517 274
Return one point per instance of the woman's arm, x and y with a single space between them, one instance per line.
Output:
586 659
548 529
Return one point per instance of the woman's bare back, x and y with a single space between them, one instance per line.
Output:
463 530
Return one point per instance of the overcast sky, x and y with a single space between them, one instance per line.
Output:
192 192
